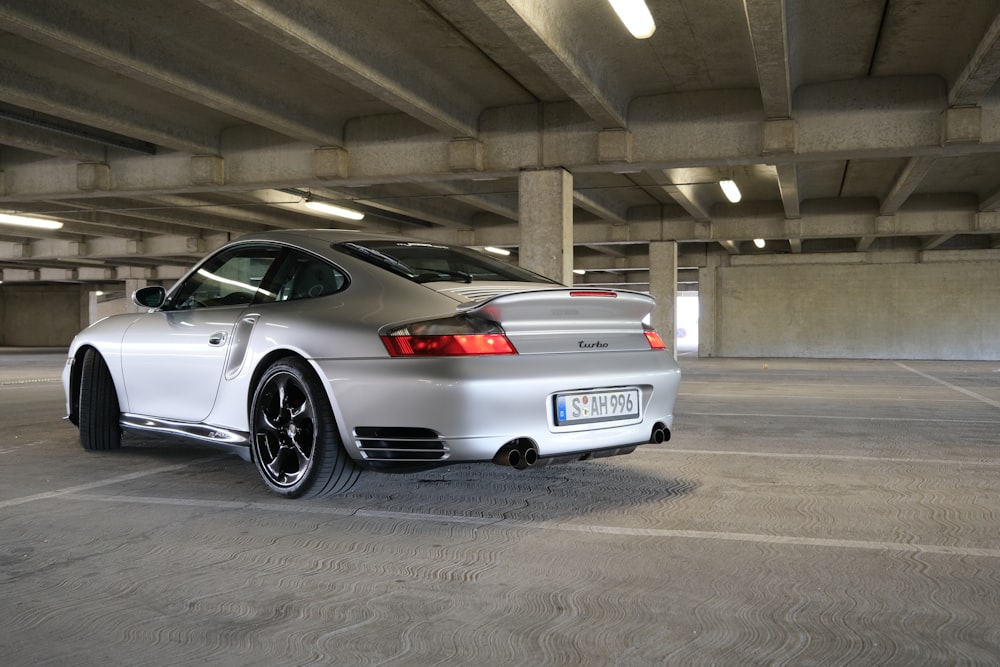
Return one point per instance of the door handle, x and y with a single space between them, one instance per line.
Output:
218 338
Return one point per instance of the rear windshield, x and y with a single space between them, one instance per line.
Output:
428 262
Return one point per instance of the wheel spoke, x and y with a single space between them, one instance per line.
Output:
288 437
275 466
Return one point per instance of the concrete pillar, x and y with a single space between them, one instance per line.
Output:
131 285
91 306
545 210
708 299
663 287
3 315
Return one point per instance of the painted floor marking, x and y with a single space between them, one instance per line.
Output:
971 394
486 522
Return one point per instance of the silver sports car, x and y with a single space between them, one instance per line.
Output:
320 353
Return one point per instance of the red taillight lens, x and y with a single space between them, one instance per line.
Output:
447 346
655 342
451 337
604 293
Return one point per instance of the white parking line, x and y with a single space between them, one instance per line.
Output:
971 394
854 418
104 482
13 383
828 457
544 526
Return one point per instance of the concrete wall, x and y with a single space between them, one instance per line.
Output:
41 315
870 307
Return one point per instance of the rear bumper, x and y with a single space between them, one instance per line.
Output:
449 410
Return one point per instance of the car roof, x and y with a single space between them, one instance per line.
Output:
318 240
323 235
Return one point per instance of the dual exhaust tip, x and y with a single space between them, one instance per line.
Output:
519 454
522 454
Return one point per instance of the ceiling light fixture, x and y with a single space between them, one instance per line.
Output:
760 243
731 190
496 251
332 209
580 272
23 221
636 17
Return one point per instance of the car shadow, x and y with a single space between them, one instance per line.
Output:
634 483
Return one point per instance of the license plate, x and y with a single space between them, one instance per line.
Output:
587 407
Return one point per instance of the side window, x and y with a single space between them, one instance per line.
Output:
228 279
303 276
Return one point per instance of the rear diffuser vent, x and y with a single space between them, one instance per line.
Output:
400 444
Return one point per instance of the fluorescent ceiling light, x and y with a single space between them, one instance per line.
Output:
760 243
579 272
731 190
331 209
496 251
636 17
23 221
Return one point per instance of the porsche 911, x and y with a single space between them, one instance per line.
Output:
319 354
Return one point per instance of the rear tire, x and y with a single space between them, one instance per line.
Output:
293 436
99 409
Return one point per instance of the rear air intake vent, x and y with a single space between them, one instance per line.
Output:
400 444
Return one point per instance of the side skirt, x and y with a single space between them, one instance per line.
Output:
236 442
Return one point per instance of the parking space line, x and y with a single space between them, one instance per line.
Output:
104 482
486 522
854 418
13 383
828 457
971 394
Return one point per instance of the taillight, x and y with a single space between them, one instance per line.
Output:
451 337
604 293
655 342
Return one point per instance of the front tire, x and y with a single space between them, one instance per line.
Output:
99 409
293 436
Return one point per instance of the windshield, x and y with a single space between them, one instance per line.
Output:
427 262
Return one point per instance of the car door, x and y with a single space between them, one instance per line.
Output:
174 358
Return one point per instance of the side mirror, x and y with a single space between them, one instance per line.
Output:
149 297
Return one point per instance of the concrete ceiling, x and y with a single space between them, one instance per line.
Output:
156 130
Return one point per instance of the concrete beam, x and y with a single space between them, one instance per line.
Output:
934 242
503 204
788 186
603 207
889 118
28 85
549 33
991 203
768 27
358 57
48 142
865 242
689 197
982 71
173 214
106 40
732 247
907 181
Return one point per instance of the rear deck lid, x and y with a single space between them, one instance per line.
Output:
568 320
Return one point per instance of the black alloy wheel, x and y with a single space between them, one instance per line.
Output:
294 439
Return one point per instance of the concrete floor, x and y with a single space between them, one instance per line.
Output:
805 513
